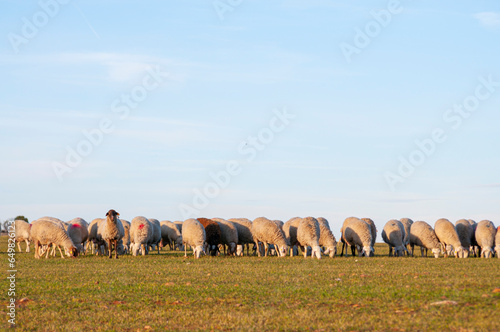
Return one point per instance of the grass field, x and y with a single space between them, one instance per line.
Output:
169 292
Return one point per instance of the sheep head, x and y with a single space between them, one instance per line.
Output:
112 215
436 252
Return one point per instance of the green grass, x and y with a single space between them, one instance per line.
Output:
169 292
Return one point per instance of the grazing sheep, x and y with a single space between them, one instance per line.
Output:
407 222
373 229
141 231
422 235
244 228
94 240
193 234
171 235
48 232
391 234
229 235
154 241
268 232
22 232
126 237
485 237
290 230
357 234
464 231
497 242
78 232
308 234
474 247
178 224
447 235
110 230
213 235
326 238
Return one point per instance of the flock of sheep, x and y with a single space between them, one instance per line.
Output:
267 237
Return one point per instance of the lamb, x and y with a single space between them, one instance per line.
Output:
308 235
229 235
497 242
78 232
22 231
48 232
407 222
213 235
357 233
110 230
326 238
244 228
422 235
171 235
193 234
485 237
141 231
447 235
391 234
464 231
290 231
154 241
268 232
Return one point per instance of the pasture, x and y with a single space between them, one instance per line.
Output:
170 292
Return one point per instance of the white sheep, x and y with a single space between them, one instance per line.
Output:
193 234
126 237
141 231
357 234
447 235
373 229
229 235
326 238
94 241
474 248
391 234
308 235
464 231
497 242
407 222
48 232
422 235
154 242
244 228
110 230
290 230
485 237
178 224
268 232
22 232
171 235
77 229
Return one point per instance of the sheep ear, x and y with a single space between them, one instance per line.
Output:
117 214
107 213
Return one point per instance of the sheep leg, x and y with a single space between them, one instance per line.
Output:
143 248
353 250
62 256
37 249
185 250
342 251
19 246
48 250
390 251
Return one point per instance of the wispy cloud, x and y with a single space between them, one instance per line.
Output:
488 19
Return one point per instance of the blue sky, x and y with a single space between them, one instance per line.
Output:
220 81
